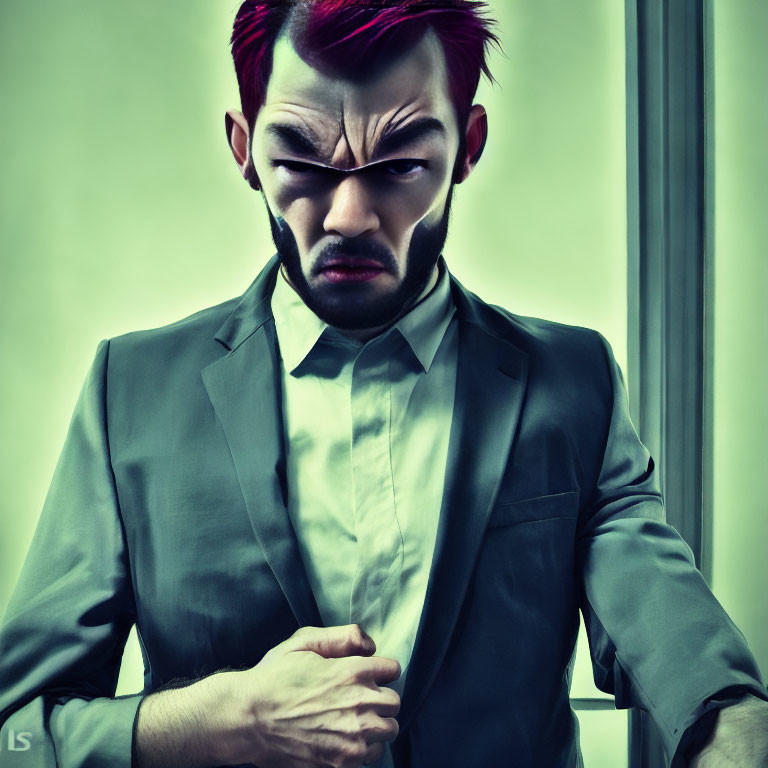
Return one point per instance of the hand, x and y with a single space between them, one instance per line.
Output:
314 700
739 738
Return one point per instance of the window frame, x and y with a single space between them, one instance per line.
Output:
670 272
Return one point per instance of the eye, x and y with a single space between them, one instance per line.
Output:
404 168
294 166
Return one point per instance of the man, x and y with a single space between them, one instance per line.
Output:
354 513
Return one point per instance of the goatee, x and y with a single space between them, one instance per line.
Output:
358 305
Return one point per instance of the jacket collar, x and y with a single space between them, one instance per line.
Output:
253 309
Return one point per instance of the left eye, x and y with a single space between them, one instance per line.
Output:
293 166
404 167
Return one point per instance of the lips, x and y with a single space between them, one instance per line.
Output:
352 262
343 269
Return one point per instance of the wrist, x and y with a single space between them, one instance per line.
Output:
186 727
743 706
730 704
232 724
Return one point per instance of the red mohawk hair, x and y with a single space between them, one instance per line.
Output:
354 38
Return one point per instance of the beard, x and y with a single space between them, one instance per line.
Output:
358 305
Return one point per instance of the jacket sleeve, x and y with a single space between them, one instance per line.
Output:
63 634
659 639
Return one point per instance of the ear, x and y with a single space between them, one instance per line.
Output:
238 138
475 138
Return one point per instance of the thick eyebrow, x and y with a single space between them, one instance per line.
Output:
298 139
423 127
302 141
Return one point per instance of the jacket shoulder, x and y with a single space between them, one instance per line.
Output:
207 319
570 368
547 343
190 337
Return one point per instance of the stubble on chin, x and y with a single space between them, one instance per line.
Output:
358 307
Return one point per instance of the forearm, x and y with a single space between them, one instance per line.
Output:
184 728
739 737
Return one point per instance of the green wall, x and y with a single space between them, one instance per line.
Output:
740 386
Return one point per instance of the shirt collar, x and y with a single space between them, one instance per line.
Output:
423 326
298 327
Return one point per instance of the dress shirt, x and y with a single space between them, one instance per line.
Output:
367 428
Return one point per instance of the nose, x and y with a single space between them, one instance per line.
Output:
351 213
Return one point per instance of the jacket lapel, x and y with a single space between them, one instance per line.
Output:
244 388
490 383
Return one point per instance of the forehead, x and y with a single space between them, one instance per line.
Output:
353 112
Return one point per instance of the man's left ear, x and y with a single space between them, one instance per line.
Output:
475 138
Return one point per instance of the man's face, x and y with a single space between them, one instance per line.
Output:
357 178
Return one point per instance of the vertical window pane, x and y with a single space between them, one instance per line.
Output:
740 375
604 738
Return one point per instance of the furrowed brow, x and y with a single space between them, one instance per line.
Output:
297 139
424 127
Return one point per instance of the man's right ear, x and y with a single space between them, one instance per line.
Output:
238 137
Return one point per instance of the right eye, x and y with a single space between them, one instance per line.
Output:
294 166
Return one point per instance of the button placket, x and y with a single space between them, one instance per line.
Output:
379 538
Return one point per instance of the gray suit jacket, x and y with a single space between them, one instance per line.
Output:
167 509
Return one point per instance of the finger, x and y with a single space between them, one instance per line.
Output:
374 671
382 669
332 642
373 753
377 703
383 702
375 729
387 703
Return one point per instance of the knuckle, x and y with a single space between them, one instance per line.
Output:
357 672
353 639
381 728
352 754
375 751
271 653
394 699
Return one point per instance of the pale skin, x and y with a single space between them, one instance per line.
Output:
320 698
739 738
316 699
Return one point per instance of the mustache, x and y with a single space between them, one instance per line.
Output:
353 248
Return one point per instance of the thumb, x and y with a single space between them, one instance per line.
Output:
332 642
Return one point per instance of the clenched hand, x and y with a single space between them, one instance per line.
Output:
314 700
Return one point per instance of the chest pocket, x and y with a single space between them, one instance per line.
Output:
536 509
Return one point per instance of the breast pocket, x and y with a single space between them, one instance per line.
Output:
539 508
